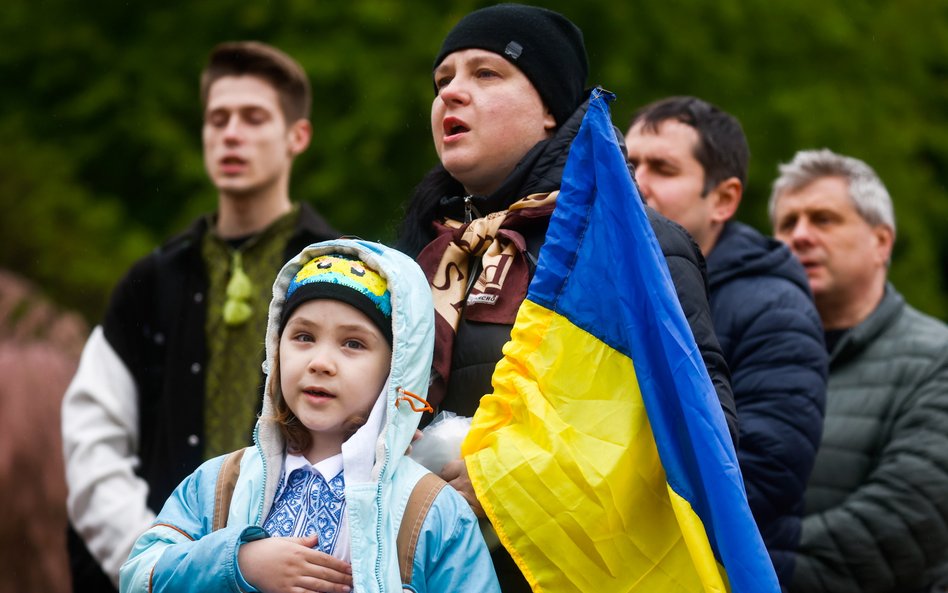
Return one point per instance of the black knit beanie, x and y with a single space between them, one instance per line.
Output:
546 46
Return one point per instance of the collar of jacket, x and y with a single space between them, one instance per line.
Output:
855 340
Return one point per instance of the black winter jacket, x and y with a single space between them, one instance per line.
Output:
772 339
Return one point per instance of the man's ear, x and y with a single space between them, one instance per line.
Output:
885 238
727 197
299 135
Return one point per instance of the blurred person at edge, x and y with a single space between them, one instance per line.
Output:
509 84
876 518
167 380
690 161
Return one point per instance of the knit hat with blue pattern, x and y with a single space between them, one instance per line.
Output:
342 278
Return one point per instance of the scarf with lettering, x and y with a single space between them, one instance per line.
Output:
493 248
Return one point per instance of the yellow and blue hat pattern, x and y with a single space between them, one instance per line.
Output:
343 278
347 271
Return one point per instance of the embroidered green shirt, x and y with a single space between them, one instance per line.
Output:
234 386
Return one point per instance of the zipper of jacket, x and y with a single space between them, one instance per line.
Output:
263 460
378 519
470 212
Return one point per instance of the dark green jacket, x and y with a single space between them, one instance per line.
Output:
877 501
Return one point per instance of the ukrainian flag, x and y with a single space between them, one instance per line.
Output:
602 458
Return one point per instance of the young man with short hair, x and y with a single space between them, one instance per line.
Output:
168 378
690 161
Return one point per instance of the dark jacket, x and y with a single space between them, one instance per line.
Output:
877 502
154 325
478 346
772 339
161 301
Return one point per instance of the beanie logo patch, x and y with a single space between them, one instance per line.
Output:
513 50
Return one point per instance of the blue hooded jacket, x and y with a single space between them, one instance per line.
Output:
180 552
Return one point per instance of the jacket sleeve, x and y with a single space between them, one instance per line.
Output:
688 273
885 534
778 365
451 554
106 500
180 553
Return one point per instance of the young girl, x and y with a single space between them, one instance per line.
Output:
319 500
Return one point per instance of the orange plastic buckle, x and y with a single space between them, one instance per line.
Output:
411 398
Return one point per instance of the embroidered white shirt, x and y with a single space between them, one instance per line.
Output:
311 499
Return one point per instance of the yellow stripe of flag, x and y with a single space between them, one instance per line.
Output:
603 517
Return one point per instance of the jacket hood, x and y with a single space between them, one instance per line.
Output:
742 251
376 449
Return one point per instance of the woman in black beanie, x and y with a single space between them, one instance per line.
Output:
509 83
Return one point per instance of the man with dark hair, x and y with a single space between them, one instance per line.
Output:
690 162
251 58
168 378
877 503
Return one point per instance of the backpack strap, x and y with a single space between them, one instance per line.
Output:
226 481
419 501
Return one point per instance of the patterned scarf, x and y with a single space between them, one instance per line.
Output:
493 248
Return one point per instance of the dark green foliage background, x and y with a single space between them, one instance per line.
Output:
100 155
